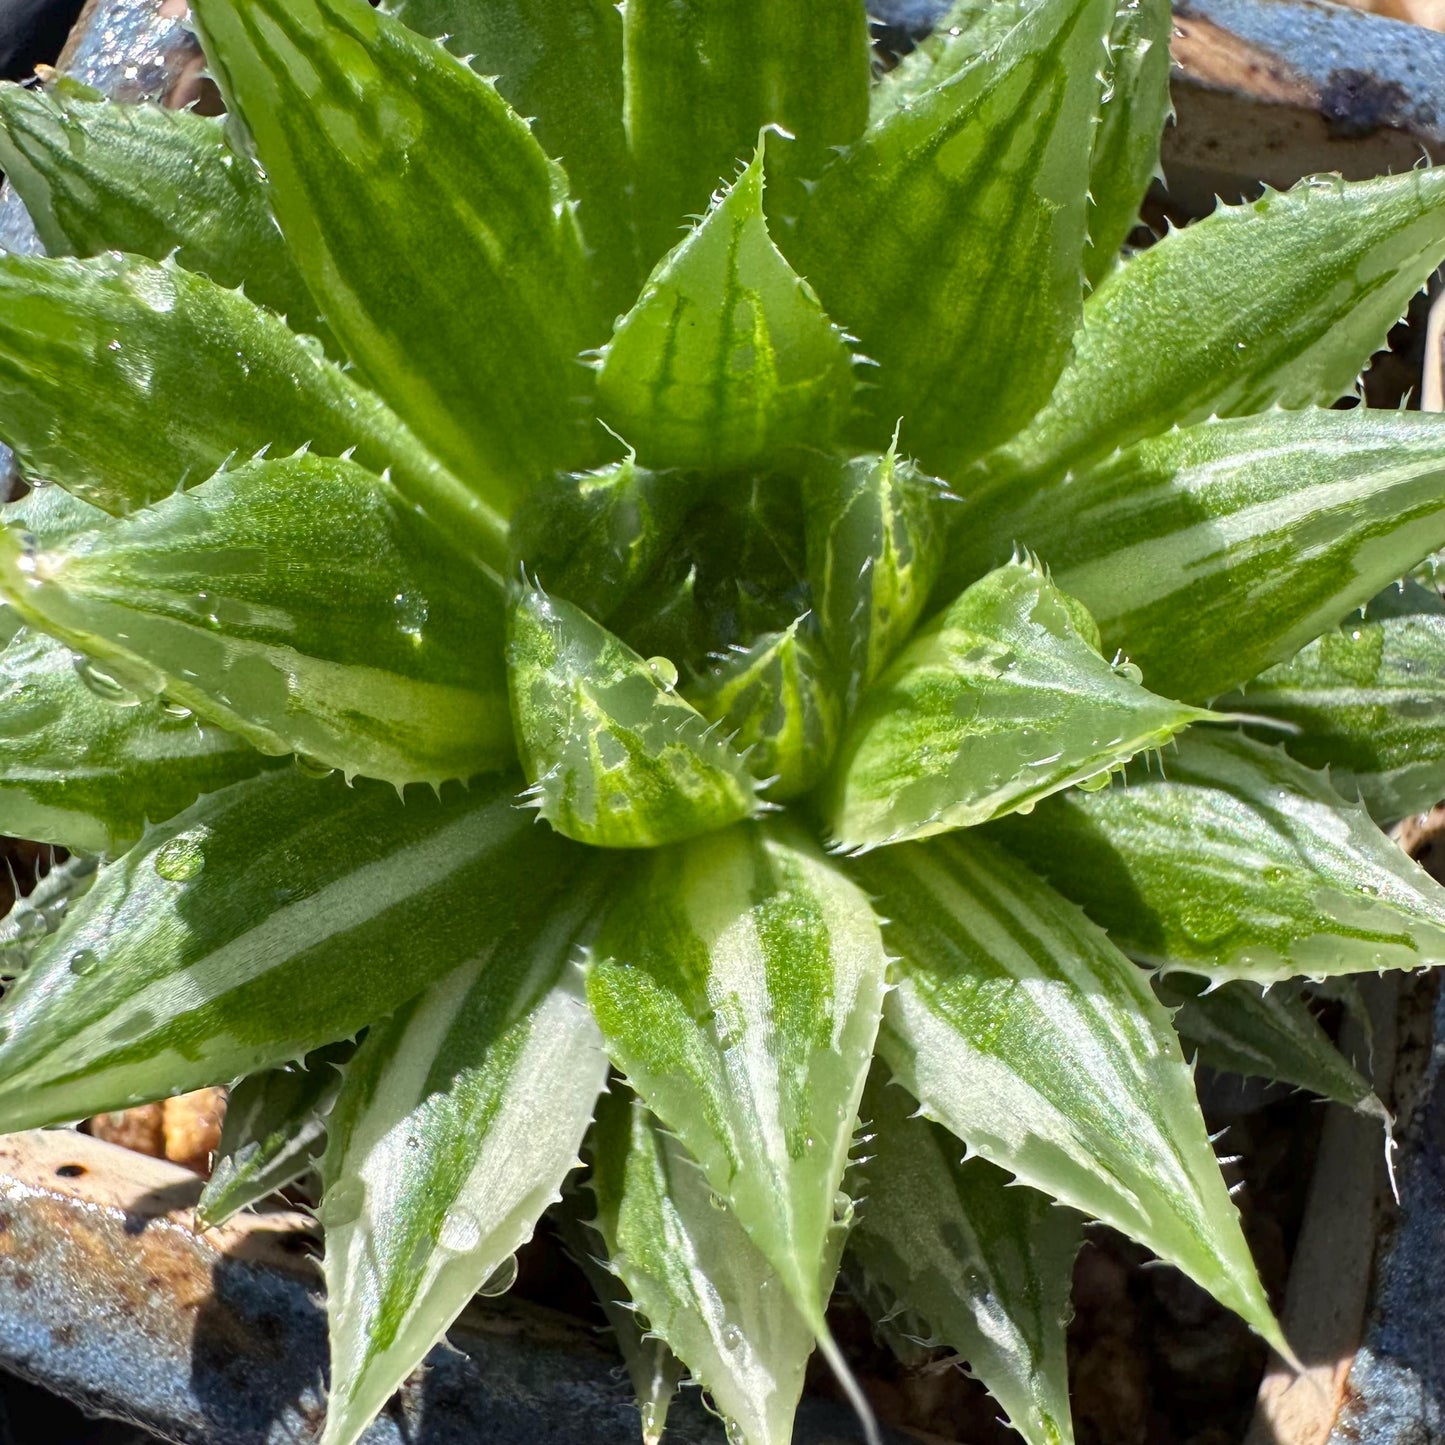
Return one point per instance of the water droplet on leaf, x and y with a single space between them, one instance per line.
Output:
183 858
662 669
84 961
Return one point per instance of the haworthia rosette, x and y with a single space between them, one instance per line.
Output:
779 705
699 1282
1026 1033
1367 699
614 756
1209 553
726 360
273 1133
1237 862
874 540
456 1123
738 981
100 176
297 602
948 238
1001 700
121 380
277 915
984 1267
1267 1033
703 77
86 764
426 220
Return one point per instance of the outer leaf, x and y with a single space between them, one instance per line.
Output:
296 602
596 537
1003 699
97 176
1021 1029
427 222
121 380
457 1122
988 1268
1208 554
739 983
277 915
35 915
1280 301
1240 863
1368 699
273 1133
560 62
948 239
726 359
702 1284
778 703
614 756
703 77
85 764
1269 1033
1126 145
874 546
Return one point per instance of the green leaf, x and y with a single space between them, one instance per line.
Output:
703 77
596 537
738 981
277 915
727 359
37 914
702 1284
875 539
1238 863
1209 553
948 238
427 222
1367 699
1268 1033
1001 700
1277 302
121 380
986 1267
456 1123
273 1133
85 764
778 705
299 603
97 176
614 756
654 1370
1125 158
1021 1029
560 63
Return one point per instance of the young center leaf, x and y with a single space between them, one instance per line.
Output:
280 914
1001 700
1367 699
1211 552
969 1261
99 176
427 222
699 1282
86 764
299 603
1269 1033
738 981
727 359
614 756
457 1121
1021 1029
948 239
1237 862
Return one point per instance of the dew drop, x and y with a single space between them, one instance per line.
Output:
717 1201
1130 671
342 1204
501 1279
175 710
842 1209
460 1232
84 961
29 924
732 1337
183 858
312 767
411 613
662 669
102 684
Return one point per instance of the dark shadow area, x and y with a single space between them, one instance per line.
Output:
32 33
32 1416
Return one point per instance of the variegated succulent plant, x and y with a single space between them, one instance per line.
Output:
454 697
